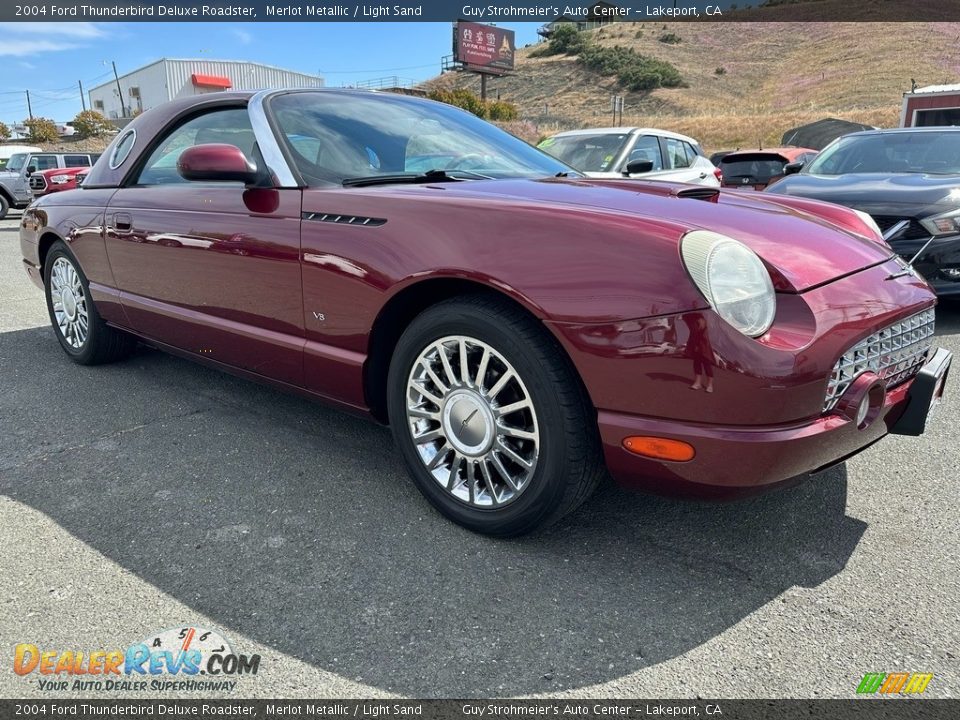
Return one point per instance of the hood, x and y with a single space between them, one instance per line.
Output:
62 171
906 194
799 243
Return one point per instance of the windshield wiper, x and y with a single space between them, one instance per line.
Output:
432 175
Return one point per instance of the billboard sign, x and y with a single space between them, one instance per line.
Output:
483 48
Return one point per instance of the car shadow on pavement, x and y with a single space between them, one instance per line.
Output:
295 525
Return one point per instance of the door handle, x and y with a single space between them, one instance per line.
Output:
122 222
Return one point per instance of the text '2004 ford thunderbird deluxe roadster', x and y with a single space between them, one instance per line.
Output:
519 326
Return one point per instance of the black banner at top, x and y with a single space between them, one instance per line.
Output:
533 11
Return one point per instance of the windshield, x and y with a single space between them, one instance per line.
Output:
936 153
334 137
587 153
16 162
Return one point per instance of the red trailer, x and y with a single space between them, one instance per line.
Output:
931 105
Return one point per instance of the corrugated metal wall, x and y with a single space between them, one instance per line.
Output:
245 76
168 79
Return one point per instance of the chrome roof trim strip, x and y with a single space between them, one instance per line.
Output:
267 141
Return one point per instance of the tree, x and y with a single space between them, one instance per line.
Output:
90 123
41 130
4 131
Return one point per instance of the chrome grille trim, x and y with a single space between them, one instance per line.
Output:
38 182
894 353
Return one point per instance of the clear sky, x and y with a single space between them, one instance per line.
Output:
49 58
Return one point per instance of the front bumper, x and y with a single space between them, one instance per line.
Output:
733 461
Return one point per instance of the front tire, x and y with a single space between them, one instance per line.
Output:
82 333
491 419
4 206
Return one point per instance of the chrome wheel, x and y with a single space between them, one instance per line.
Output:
472 421
69 303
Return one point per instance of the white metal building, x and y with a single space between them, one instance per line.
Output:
168 78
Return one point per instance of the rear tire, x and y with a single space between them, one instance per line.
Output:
4 206
82 333
499 456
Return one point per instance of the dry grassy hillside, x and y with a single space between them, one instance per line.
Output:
775 76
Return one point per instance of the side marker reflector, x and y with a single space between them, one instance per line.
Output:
659 448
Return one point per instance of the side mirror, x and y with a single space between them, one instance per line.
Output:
636 167
31 169
217 162
793 168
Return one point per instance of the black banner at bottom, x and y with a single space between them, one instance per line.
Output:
865 709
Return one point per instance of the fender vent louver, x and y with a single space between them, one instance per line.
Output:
699 193
344 219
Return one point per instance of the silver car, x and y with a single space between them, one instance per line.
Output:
646 153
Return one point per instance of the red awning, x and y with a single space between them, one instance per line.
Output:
211 81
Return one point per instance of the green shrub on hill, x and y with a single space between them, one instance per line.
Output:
564 40
633 70
466 100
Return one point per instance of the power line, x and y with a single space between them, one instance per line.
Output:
359 72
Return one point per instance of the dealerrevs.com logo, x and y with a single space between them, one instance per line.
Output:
898 683
180 659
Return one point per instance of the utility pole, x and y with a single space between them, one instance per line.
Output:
29 109
483 86
123 108
83 101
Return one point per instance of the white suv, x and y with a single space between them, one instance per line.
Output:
645 153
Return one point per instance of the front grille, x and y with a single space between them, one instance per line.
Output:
914 231
37 182
894 353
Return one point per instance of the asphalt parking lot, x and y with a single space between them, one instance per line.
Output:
156 494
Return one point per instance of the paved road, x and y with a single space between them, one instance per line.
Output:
155 493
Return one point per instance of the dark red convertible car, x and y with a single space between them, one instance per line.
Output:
519 326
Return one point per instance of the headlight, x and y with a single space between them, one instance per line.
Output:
732 279
946 224
869 222
60 179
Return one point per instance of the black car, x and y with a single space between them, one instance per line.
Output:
907 180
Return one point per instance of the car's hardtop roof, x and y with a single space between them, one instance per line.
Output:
626 131
155 120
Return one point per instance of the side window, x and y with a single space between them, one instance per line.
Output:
647 147
43 162
676 154
692 153
76 160
231 127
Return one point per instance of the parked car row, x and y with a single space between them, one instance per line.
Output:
31 172
518 323
906 180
